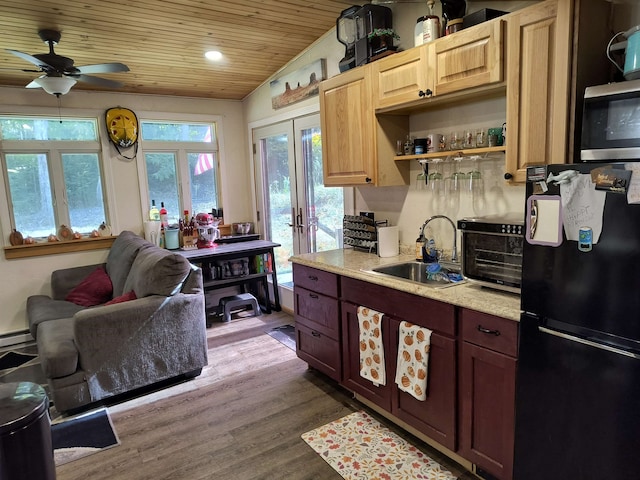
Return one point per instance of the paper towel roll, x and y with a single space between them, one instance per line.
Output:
388 242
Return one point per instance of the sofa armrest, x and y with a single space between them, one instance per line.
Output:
64 280
131 344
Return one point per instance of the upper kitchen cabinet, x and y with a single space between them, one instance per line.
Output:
469 58
347 122
358 147
538 79
403 77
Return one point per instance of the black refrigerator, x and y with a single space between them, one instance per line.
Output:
578 380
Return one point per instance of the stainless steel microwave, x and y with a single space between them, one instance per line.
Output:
611 122
492 250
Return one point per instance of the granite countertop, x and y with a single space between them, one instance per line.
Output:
352 263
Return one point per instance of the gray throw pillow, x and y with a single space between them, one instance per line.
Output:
157 272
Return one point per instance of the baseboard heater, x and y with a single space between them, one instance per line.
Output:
15 338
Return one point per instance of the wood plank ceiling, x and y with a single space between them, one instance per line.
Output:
163 42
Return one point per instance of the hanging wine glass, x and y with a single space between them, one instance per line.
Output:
476 187
454 185
436 177
421 178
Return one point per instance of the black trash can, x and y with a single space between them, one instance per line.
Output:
26 451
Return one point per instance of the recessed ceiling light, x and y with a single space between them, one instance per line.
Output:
213 55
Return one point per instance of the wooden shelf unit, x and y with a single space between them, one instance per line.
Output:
453 153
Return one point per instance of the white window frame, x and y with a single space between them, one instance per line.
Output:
180 150
54 149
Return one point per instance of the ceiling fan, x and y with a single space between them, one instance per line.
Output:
59 72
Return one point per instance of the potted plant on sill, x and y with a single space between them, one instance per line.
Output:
381 40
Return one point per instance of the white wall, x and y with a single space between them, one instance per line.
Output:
24 277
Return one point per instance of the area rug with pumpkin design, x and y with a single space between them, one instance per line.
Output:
359 447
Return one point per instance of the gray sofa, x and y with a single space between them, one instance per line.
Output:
91 353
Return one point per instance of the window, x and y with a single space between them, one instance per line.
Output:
182 170
53 172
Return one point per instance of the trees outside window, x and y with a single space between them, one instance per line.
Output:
54 174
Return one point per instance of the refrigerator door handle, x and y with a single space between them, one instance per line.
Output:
589 343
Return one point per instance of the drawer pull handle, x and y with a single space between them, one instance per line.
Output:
315 334
489 332
313 295
313 278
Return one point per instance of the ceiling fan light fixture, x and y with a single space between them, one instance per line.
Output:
56 85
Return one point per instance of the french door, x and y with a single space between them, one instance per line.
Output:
297 211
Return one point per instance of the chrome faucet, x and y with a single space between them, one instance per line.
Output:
454 253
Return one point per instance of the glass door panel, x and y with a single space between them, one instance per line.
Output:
323 207
299 212
275 147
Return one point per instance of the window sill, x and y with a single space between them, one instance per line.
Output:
54 248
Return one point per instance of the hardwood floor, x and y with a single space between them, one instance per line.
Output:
241 419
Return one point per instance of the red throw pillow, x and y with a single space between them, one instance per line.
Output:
123 298
93 290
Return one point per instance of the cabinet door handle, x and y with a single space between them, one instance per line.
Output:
315 334
313 295
313 278
488 332
423 93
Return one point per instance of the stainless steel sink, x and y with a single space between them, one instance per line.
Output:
421 273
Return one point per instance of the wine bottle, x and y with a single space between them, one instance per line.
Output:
154 213
163 215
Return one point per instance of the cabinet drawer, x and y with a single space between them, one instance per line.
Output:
435 315
319 351
317 311
496 333
316 280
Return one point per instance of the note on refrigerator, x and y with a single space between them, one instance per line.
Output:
582 206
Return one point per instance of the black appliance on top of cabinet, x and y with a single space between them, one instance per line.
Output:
578 380
353 27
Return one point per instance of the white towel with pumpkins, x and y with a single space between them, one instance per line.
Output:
371 348
413 359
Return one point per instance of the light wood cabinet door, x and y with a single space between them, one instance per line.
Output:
348 129
403 77
538 68
470 58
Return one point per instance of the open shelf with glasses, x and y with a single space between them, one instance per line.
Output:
453 153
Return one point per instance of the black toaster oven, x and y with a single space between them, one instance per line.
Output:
491 253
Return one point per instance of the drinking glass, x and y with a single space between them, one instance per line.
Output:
421 178
436 177
457 178
469 139
475 176
481 137
456 140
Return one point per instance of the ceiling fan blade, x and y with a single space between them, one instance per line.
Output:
30 70
101 82
33 84
104 68
29 58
